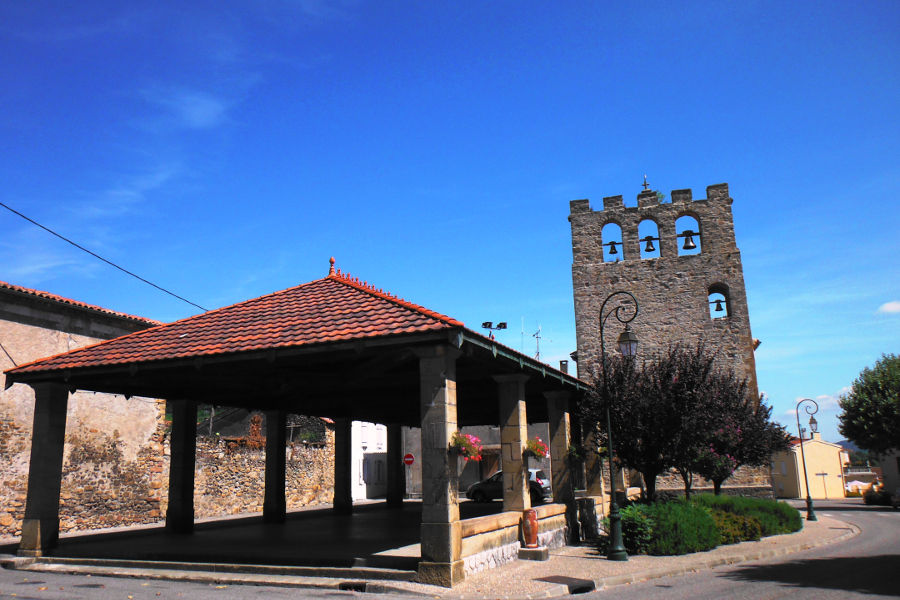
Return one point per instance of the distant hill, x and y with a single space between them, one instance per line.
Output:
848 445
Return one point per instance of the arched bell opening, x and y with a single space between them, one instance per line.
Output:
687 234
648 234
613 250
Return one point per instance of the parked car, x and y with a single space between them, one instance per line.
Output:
492 488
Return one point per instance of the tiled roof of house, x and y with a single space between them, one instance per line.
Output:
335 308
75 303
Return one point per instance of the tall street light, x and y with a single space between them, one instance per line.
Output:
813 428
628 343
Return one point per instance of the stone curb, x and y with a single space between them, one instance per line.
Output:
380 586
291 581
607 582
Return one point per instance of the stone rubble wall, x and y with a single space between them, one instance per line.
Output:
116 463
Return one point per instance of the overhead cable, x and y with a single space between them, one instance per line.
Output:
95 255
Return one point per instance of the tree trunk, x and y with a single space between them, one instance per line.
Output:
688 478
650 485
717 487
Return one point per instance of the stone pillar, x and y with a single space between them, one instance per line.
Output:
274 506
513 433
593 466
441 534
40 528
561 473
343 497
182 460
396 482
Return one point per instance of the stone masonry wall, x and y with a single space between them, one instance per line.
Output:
672 290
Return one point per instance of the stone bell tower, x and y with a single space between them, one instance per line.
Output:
680 261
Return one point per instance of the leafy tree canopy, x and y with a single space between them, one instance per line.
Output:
871 410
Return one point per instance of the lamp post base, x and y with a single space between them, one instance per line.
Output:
810 513
616 547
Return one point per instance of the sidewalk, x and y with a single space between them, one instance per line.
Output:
570 569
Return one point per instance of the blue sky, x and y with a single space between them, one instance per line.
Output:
225 150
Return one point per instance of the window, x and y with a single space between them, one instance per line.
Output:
648 233
613 251
687 235
719 302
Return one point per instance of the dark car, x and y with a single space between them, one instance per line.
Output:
492 488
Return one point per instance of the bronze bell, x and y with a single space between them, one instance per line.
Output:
689 240
718 307
612 248
649 247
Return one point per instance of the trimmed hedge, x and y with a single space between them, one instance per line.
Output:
665 528
736 528
774 517
874 498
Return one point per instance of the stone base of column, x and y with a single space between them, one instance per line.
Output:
179 522
38 536
442 574
276 513
342 508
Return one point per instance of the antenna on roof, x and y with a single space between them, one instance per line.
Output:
537 336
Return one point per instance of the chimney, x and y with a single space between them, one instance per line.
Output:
564 366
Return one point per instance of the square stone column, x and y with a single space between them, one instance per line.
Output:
560 469
513 433
343 496
560 439
182 462
593 465
40 528
441 533
396 480
274 505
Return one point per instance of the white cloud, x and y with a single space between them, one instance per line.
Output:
892 307
193 109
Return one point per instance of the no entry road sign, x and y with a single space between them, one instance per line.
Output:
409 459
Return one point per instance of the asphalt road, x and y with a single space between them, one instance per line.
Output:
866 566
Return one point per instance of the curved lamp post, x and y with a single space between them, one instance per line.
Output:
628 347
813 427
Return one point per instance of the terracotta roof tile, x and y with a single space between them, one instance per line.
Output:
69 301
335 308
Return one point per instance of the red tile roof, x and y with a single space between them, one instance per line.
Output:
75 303
336 308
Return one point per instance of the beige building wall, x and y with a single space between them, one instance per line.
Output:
824 468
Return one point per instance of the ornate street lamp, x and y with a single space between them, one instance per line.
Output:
628 344
813 427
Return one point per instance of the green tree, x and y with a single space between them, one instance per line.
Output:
871 410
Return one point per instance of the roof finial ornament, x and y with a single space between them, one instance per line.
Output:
645 184
331 266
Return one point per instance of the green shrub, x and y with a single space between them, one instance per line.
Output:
665 528
774 517
681 527
877 498
637 530
736 528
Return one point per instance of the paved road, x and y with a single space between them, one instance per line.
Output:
867 566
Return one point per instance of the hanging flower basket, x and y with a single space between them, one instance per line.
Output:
535 448
466 445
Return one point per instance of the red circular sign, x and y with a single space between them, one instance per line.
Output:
408 459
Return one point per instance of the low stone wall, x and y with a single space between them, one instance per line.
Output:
493 540
744 477
231 480
112 479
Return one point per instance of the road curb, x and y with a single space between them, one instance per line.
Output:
612 581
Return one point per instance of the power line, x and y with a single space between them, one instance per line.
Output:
95 255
